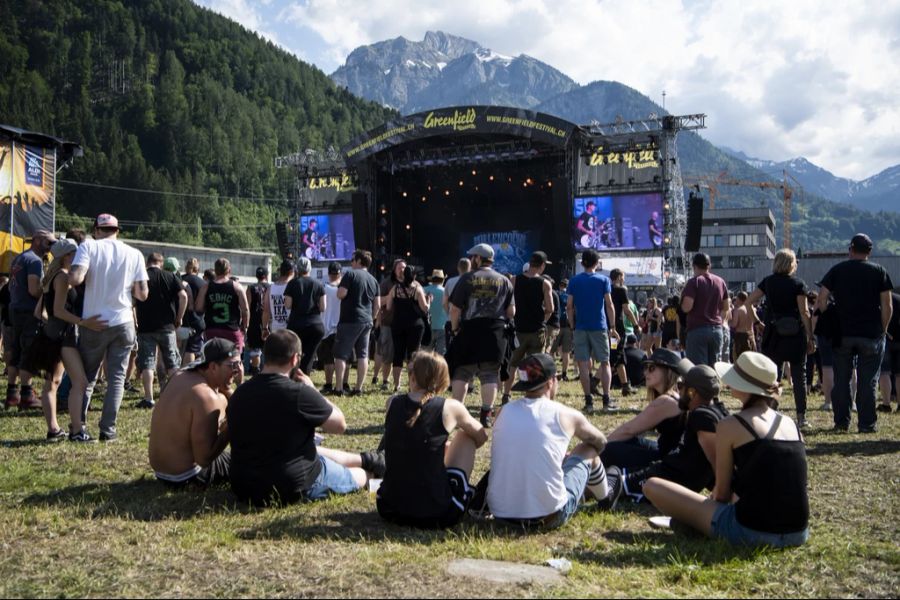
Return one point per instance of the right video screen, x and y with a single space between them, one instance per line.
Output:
618 222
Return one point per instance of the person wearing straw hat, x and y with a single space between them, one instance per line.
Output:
435 294
760 458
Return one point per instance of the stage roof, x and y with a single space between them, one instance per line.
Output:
65 149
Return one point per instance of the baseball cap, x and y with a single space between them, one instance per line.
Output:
861 243
62 247
171 265
482 250
705 380
534 372
540 258
106 221
334 268
630 339
215 350
261 272
303 265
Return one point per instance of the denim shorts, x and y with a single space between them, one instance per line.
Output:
725 526
333 479
352 337
576 472
168 349
591 344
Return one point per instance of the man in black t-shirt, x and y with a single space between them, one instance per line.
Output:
634 358
360 303
194 343
157 320
256 293
587 226
272 421
692 462
617 357
862 296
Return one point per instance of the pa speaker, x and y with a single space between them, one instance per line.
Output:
694 223
284 244
362 227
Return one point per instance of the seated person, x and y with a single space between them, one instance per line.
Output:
188 431
635 358
272 420
532 482
760 459
628 448
427 480
692 462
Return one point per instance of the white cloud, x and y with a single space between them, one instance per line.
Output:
777 79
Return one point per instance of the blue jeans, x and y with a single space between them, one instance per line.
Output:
725 526
333 479
704 345
115 344
868 353
576 472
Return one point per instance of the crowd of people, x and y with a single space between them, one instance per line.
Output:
100 306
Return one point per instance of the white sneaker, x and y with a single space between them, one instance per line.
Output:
826 406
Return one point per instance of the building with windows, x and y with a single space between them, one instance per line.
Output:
736 239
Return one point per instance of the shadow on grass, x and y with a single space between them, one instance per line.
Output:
855 448
656 549
142 499
367 430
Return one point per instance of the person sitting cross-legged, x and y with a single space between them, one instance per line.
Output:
533 483
427 479
188 431
272 421
760 459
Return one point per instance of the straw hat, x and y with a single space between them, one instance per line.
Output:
437 274
753 373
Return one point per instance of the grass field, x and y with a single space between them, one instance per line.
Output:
91 521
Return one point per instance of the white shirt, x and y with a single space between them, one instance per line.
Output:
280 314
451 283
527 453
332 309
111 270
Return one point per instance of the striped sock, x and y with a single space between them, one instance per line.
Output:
597 483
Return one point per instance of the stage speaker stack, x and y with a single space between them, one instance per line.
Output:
694 223
284 243
362 230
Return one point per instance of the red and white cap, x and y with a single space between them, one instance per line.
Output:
106 221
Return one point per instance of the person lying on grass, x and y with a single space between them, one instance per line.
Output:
628 448
532 482
272 421
760 498
188 431
427 479
692 462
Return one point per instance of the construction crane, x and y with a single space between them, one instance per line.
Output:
712 184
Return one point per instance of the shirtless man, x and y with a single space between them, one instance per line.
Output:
743 318
188 431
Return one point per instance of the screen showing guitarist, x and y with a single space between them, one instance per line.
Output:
587 222
656 236
310 239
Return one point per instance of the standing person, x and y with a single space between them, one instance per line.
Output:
223 303
157 319
591 313
407 302
463 266
305 298
275 314
194 320
26 272
655 321
427 480
621 304
705 302
113 273
480 307
360 303
671 325
553 321
654 232
743 319
256 295
890 365
435 294
789 335
534 306
565 341
862 294
330 319
760 460
384 339
533 482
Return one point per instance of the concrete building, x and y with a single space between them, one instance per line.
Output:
811 269
243 263
736 240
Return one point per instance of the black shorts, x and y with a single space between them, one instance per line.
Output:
25 328
217 473
461 494
326 350
891 361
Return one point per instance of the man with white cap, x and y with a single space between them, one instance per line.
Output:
480 306
113 274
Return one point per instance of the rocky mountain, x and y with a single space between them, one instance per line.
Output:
877 193
443 70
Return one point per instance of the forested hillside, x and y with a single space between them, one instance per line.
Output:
165 95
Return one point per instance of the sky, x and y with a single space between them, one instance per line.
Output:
777 80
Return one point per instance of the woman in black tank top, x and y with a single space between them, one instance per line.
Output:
409 306
764 466
427 482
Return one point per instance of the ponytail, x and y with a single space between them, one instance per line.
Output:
432 376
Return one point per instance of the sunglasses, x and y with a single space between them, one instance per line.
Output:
650 367
234 364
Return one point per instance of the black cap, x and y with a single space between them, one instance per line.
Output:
334 268
540 258
672 360
705 380
215 350
534 372
861 243
261 272
630 339
286 267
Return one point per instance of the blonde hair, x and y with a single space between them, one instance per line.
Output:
785 262
670 384
432 376
56 266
